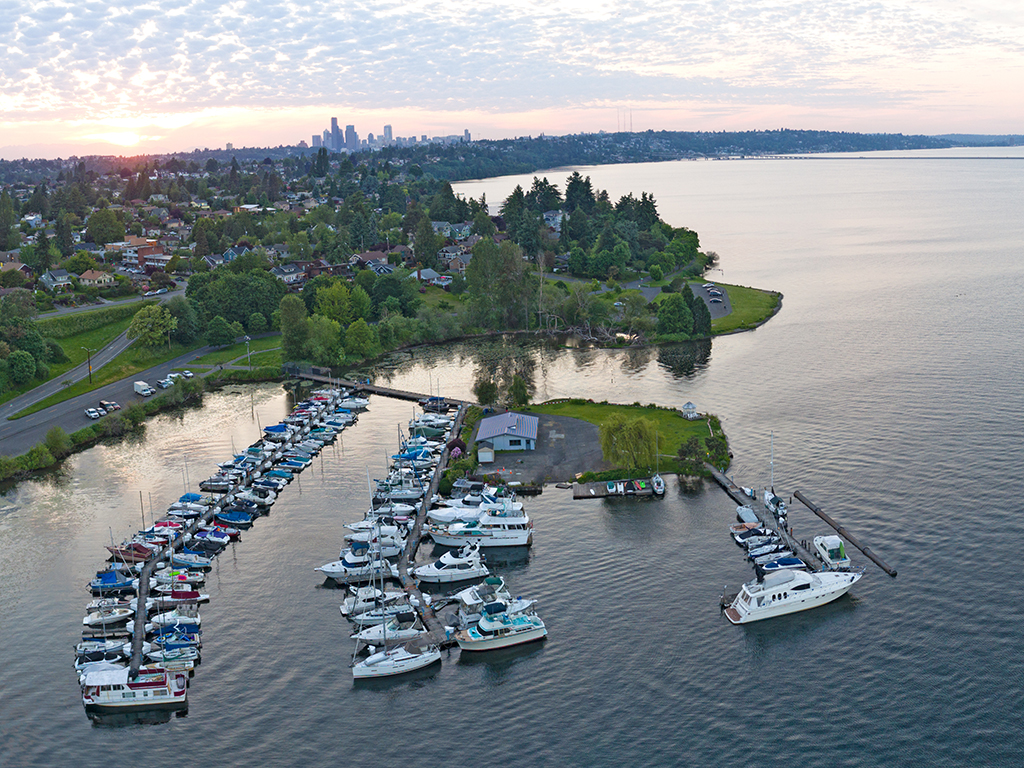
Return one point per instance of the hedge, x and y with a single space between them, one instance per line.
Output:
68 325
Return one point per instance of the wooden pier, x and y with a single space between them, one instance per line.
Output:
600 490
435 628
767 518
318 375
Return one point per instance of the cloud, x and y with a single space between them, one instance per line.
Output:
98 61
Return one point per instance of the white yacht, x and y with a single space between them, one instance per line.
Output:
404 658
467 564
500 628
787 592
398 629
356 566
364 599
111 690
832 552
494 528
472 600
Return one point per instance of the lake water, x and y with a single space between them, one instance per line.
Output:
894 384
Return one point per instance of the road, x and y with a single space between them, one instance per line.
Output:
60 311
17 437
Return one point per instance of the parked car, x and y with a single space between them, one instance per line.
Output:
101 411
187 374
165 383
92 413
150 293
618 304
161 292
175 375
716 301
109 405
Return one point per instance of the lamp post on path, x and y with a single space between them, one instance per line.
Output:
248 357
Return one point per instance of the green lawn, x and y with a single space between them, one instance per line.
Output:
127 364
269 357
227 354
436 298
73 348
673 429
750 306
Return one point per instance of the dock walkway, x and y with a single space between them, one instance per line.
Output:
318 375
431 621
766 517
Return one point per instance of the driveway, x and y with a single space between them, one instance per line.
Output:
565 447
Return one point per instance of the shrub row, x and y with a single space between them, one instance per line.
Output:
68 325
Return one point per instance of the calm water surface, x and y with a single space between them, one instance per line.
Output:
894 384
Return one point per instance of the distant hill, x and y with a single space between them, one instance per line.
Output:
481 159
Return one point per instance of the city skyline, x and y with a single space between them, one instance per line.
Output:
124 76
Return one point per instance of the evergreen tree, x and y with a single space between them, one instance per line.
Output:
65 243
294 331
8 217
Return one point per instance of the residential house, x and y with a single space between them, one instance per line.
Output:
461 231
292 274
17 266
404 253
94 278
509 431
234 252
32 219
442 228
57 280
153 256
322 267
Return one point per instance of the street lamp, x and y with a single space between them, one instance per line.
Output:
247 356
88 353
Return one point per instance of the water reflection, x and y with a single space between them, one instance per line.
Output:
686 359
500 661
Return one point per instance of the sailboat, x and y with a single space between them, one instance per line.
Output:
409 657
657 483
773 503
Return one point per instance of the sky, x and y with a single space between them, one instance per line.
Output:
136 76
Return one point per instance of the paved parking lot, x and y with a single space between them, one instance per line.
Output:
565 446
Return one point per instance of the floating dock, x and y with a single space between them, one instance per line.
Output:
435 627
767 518
619 488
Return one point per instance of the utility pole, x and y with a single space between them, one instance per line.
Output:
88 353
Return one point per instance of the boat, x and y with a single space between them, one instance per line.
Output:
494 528
132 552
177 616
112 690
191 560
832 552
751 534
658 485
106 616
365 599
355 566
501 626
399 628
466 564
397 661
770 557
178 576
99 646
784 564
747 515
112 581
472 600
235 519
786 592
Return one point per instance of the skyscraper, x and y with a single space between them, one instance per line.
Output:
351 138
316 141
465 136
335 135
388 138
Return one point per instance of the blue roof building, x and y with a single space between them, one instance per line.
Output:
509 431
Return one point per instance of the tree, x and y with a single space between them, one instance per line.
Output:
219 332
359 339
518 393
579 194
426 244
701 317
64 242
151 325
483 225
58 443
21 366
104 227
323 343
333 302
257 322
186 313
656 273
485 391
79 263
294 330
629 443
320 164
9 238
360 303
674 316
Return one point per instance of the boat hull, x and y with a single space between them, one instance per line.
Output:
498 539
466 643
770 611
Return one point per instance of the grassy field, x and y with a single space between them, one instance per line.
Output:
673 429
271 357
750 306
227 354
73 348
127 364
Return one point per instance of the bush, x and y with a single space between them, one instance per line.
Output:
21 366
8 467
257 323
58 443
55 352
69 325
38 457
